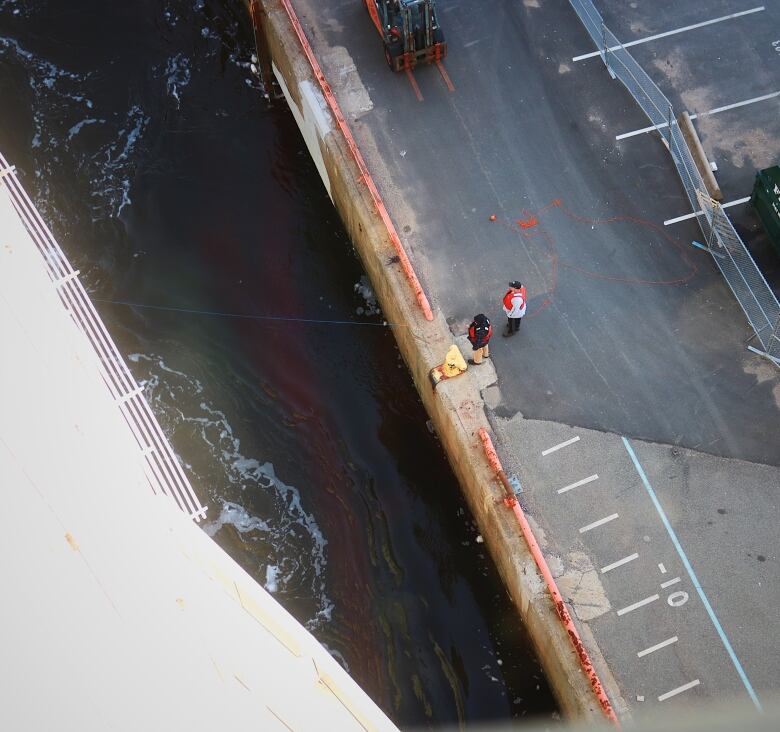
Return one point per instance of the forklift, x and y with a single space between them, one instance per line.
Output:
410 31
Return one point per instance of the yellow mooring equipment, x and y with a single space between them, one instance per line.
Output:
454 365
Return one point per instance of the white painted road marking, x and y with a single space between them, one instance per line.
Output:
678 690
662 568
639 604
672 32
598 523
688 568
701 213
619 563
669 583
642 131
743 103
657 646
584 481
677 599
560 445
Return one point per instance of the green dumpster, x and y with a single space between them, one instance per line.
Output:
766 202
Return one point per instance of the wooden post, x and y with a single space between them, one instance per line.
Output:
699 156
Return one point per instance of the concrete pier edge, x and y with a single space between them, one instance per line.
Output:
456 408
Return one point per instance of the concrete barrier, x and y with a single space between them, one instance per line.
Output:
456 407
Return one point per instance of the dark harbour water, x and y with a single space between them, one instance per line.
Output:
171 182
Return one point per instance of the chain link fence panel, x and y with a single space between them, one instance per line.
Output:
729 252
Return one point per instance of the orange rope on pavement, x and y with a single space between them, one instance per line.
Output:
365 176
541 563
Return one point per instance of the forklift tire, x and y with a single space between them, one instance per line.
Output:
393 51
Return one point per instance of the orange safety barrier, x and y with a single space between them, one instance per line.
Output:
365 176
560 607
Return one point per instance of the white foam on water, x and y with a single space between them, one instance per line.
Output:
57 104
271 573
177 76
236 515
286 540
115 166
58 116
79 125
175 10
19 8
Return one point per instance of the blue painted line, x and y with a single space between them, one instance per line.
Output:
699 245
694 578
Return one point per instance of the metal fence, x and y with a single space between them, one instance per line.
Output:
724 243
163 470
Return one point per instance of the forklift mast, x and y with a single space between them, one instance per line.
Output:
410 31
416 19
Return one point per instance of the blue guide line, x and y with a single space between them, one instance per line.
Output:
694 578
699 245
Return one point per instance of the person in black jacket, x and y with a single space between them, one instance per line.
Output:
480 332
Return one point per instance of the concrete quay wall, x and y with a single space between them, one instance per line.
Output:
456 408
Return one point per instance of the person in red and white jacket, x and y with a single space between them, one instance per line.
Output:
514 306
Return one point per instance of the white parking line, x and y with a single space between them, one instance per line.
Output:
657 646
717 110
633 133
584 481
678 690
560 445
598 523
701 213
669 583
619 563
741 104
672 32
662 568
639 604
